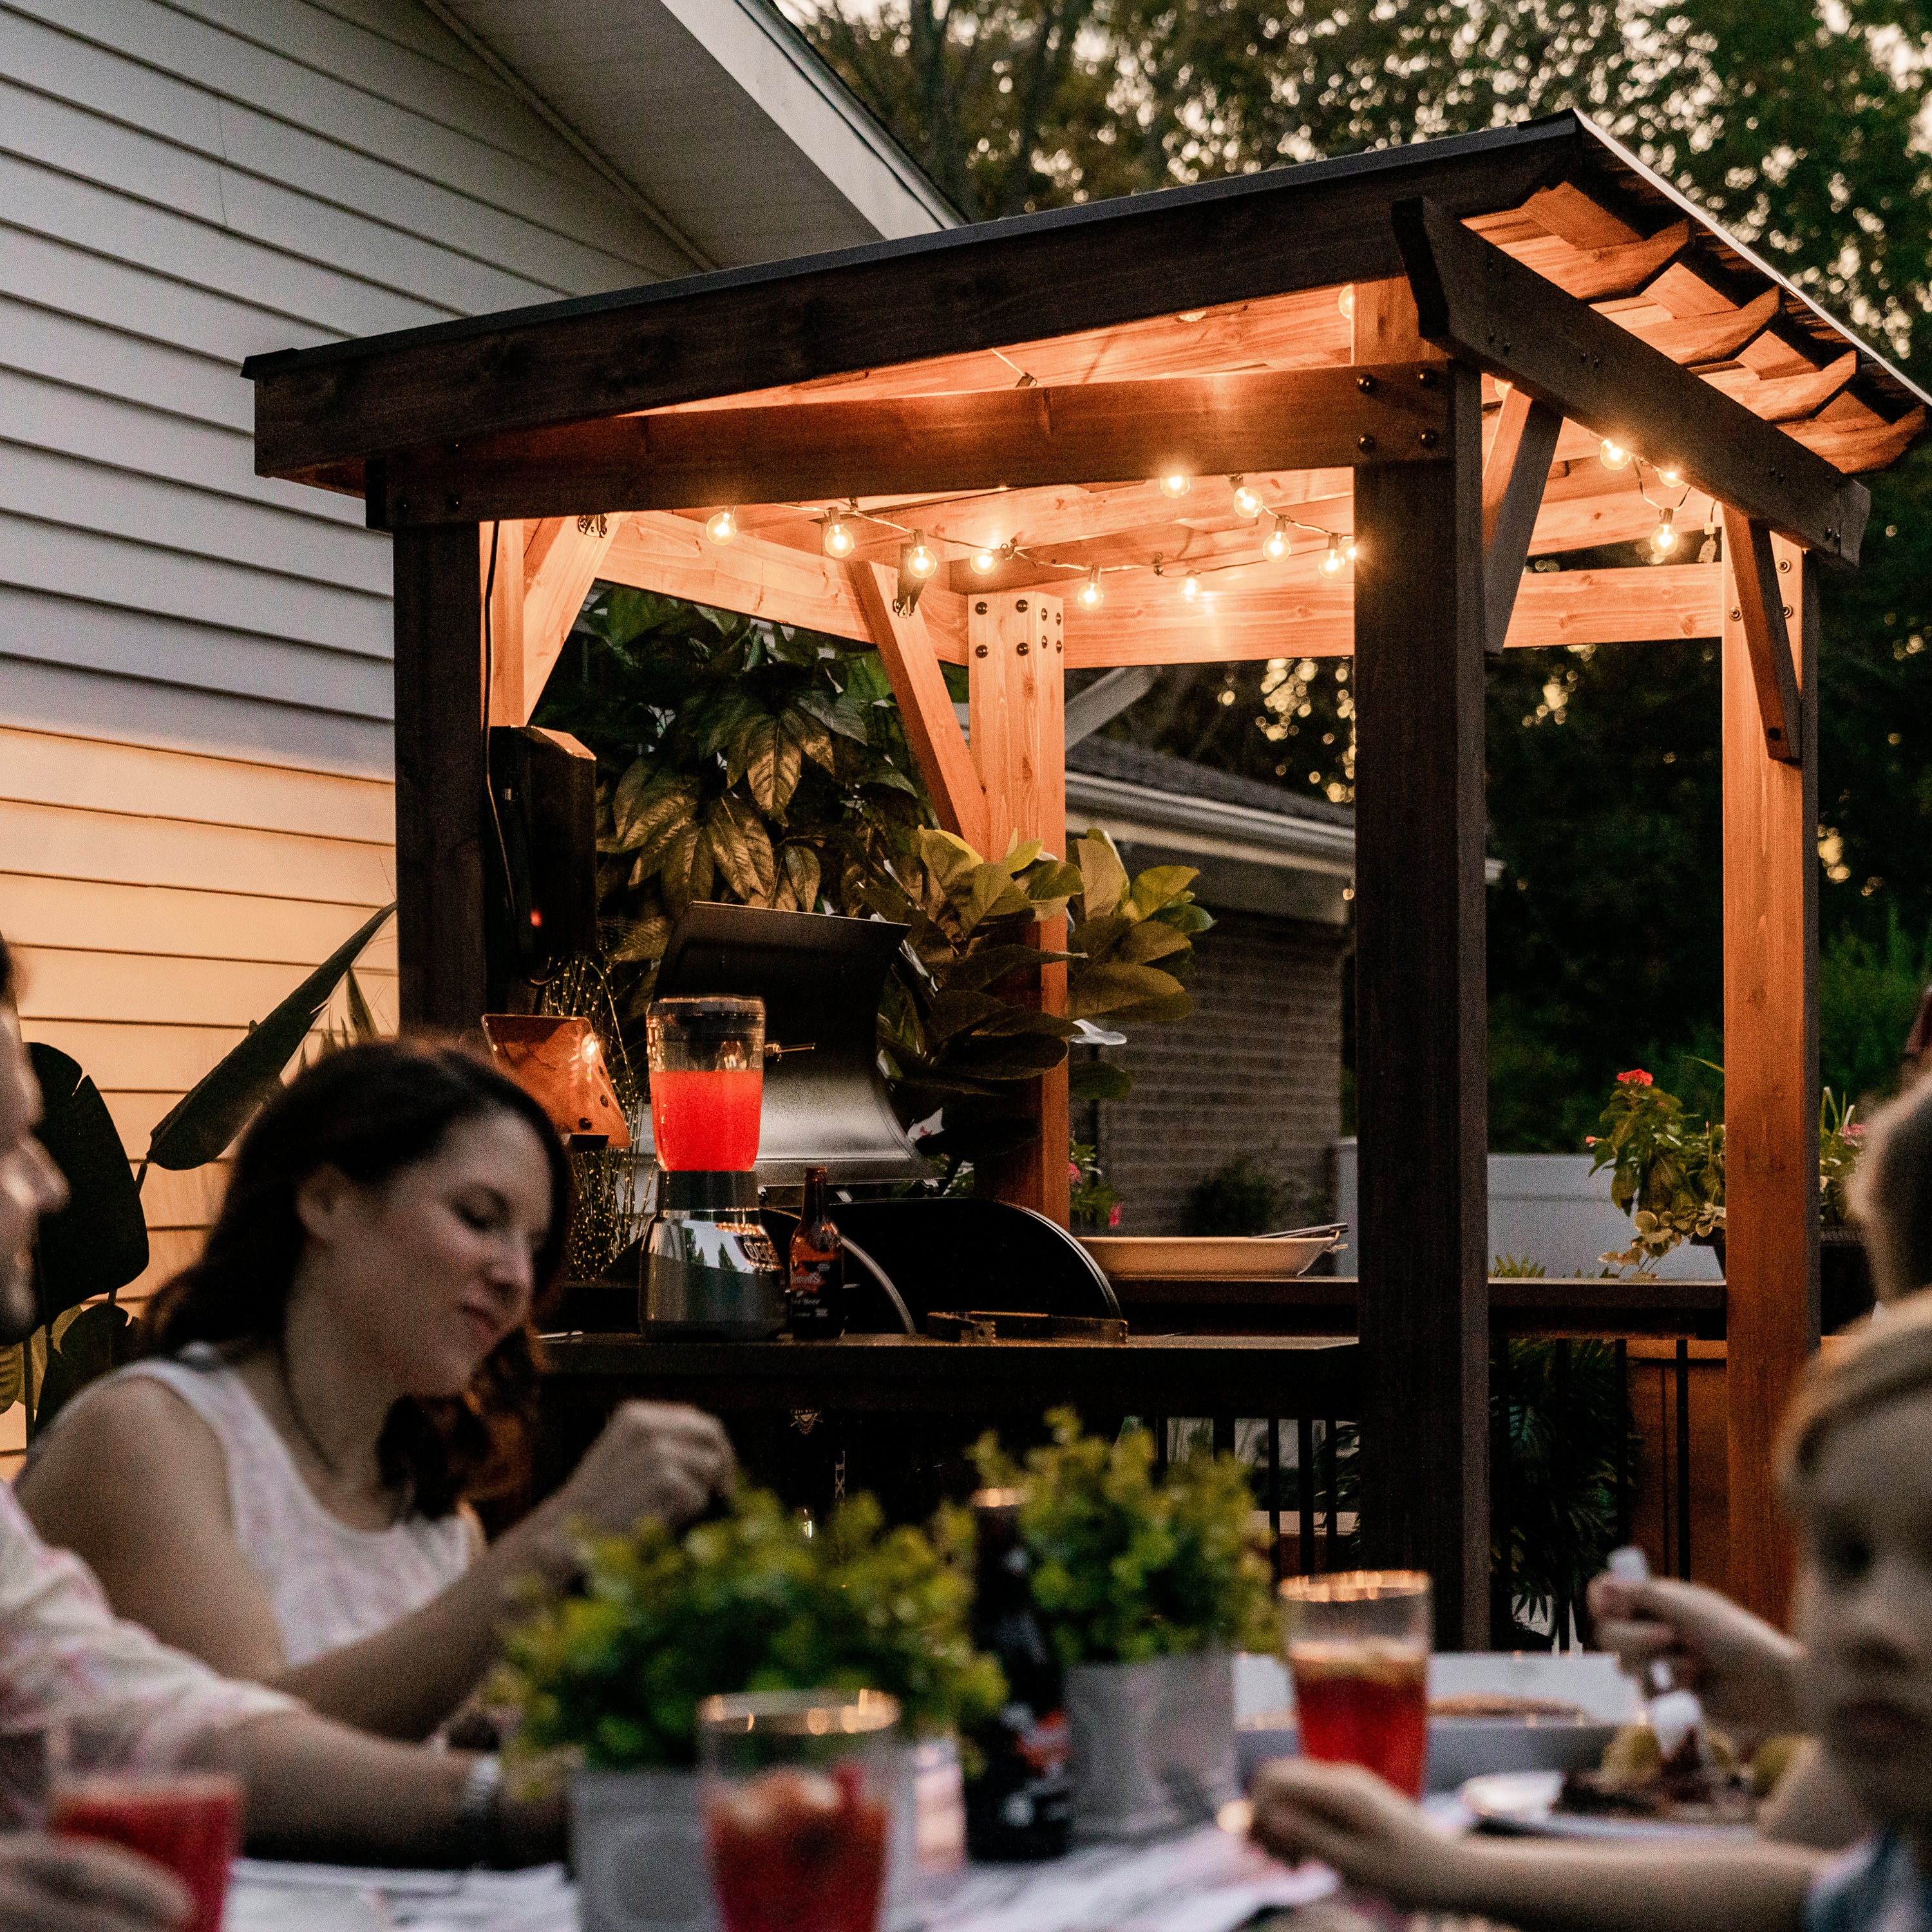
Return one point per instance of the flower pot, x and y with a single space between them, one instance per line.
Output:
1153 1744
636 1840
1844 1278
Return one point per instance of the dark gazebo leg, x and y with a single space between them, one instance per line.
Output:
439 777
1420 1023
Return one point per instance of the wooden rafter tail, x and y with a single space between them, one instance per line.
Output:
1514 472
1480 305
925 704
1856 447
1601 275
1082 433
1690 340
1763 611
561 559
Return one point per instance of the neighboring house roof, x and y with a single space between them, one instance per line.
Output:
718 115
1153 797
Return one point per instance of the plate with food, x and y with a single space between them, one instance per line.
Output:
1701 1789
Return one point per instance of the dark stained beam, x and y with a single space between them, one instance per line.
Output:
1476 301
985 286
1083 433
1762 610
1422 1084
1514 472
440 779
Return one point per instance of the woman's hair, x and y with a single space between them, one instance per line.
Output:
1890 1361
6 974
369 1111
1891 1193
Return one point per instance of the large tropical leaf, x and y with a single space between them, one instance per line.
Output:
1111 988
97 1340
98 1243
798 879
841 714
1160 886
1098 1080
1103 879
738 839
206 1119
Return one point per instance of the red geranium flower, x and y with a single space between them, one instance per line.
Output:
1113 1215
1635 1077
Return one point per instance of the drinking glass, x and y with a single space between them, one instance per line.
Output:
798 1807
707 1069
1357 1643
189 1821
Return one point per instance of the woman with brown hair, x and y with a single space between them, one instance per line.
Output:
277 1487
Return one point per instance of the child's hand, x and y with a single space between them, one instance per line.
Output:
1365 1829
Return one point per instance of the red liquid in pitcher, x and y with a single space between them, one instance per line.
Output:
1365 1704
192 1825
707 1121
798 1851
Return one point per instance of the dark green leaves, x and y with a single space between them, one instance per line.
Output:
98 1243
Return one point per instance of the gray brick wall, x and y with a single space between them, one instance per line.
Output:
1256 1068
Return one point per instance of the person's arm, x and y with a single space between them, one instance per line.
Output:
1743 1668
72 1885
136 1484
1812 1805
1349 1819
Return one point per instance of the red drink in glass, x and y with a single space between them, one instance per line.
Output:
706 1120
1365 1704
190 1822
798 1851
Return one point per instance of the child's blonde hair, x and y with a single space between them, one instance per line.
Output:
1891 1361
1891 1192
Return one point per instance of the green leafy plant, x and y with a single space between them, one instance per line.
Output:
97 1243
1093 1200
1840 1139
612 1672
1126 1566
1241 1197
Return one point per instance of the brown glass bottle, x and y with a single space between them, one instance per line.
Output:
815 1289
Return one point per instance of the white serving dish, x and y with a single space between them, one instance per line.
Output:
1205 1257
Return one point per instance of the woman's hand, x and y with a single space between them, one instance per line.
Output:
1742 1668
1363 1828
71 1885
657 1459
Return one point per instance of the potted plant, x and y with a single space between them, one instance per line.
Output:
1146 1586
606 1679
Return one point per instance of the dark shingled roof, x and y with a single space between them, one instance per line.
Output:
1162 772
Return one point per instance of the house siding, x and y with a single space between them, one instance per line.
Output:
196 802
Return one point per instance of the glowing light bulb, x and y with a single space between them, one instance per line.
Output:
1334 559
1664 539
921 560
1175 485
1245 500
835 534
1615 456
1345 300
722 527
1672 478
1348 549
1190 586
1090 591
1275 546
984 560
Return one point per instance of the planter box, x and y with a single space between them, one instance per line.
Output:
1153 1744
637 1842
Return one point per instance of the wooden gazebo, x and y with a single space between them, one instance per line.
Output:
1327 410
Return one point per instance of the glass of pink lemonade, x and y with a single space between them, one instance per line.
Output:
1357 1644
798 1789
707 1072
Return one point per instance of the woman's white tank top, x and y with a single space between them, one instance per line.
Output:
329 1584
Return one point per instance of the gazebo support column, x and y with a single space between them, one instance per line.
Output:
1771 1056
1421 1081
1017 706
440 776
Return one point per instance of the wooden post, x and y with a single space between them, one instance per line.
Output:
1771 1070
1017 705
439 777
504 586
1421 1080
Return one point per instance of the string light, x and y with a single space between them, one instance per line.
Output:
835 534
1344 300
1175 484
1333 558
1190 586
1664 539
723 526
919 558
1246 500
1615 456
1276 546
1090 591
985 560
1671 478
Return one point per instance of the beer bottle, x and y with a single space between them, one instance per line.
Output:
815 1289
1021 1803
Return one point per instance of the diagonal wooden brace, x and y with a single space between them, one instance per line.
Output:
1763 611
1513 474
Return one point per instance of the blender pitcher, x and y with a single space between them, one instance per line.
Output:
709 1267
